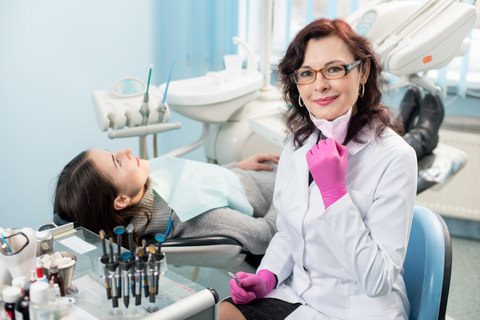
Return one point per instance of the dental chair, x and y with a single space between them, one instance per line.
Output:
428 265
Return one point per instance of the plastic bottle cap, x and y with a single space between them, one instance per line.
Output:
39 292
11 294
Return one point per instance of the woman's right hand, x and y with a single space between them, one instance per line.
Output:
256 162
252 286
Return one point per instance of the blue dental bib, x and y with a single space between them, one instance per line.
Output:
193 187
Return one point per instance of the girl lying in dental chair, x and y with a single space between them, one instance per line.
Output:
100 190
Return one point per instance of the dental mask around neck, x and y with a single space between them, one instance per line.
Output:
336 129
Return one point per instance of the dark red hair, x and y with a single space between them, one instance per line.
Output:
368 106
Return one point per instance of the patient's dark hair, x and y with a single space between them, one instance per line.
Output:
85 196
368 106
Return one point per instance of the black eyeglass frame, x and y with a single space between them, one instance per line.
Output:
347 67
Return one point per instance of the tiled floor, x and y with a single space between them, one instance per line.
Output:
464 297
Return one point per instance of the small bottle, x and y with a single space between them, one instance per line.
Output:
33 276
39 308
39 270
10 296
22 304
56 278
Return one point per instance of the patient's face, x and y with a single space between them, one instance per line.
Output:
127 173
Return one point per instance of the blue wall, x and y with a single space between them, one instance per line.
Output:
54 54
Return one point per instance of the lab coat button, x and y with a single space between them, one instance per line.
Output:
305 268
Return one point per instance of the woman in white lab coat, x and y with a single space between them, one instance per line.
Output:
345 192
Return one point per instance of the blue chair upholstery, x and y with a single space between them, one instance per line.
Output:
428 264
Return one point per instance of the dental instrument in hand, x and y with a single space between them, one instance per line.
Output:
112 276
104 260
234 276
144 109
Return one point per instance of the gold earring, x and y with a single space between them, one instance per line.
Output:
300 102
362 90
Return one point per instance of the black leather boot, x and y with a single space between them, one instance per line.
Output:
423 137
409 107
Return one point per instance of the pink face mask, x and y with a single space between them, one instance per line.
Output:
336 129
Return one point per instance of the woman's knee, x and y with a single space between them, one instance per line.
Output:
228 311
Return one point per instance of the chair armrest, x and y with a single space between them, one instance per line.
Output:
200 241
210 251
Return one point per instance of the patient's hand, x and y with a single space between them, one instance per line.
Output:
256 162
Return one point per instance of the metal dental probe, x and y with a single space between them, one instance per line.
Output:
144 109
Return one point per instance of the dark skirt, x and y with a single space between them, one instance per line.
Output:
265 308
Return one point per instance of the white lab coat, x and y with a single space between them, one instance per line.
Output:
345 262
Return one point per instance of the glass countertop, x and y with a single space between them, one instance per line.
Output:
88 286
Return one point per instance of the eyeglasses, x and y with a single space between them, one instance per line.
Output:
330 72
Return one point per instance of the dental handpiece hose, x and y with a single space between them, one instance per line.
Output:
145 110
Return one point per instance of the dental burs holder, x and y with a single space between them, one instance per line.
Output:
127 272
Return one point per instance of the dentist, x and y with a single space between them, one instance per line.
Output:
345 191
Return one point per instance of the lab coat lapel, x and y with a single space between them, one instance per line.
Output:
301 167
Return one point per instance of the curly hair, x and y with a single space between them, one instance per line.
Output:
368 106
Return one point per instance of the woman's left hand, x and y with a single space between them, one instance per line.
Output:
256 162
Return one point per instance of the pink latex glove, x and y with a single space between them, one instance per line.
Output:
253 286
327 162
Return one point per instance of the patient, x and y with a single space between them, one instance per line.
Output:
100 190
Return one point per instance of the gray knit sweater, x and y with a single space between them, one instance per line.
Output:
253 232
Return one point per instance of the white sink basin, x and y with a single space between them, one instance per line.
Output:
212 98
